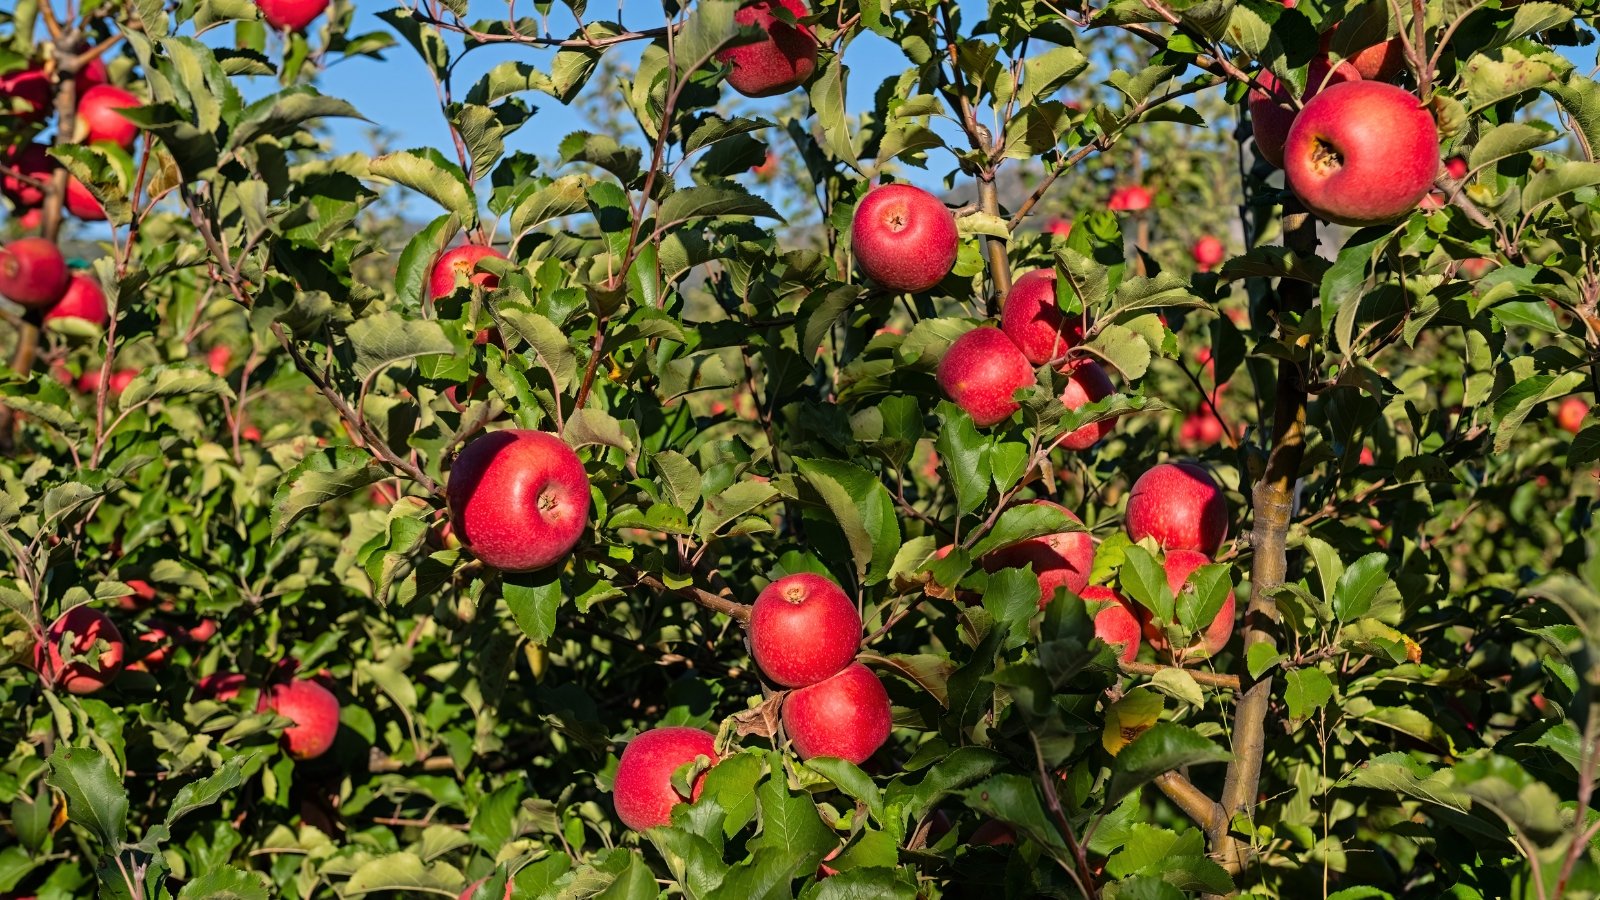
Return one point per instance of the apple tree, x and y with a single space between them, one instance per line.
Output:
1135 449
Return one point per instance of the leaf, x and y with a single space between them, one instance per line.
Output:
1024 521
1358 585
1123 349
1508 140
1179 685
1144 581
864 510
320 477
226 883
387 338
702 201
1557 181
1306 691
534 598
590 426
563 197
1162 748
426 171
964 454
1130 717
208 790
95 796
402 872
1398 773
551 348
734 501
828 102
789 823
284 112
854 783
172 381
419 255
1045 73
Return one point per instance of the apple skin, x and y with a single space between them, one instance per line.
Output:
1362 153
778 64
143 596
156 641
290 15
803 629
92 73
903 238
82 300
220 686
1088 383
219 359
1180 506
519 500
1200 429
1057 560
1114 622
98 119
1057 227
1271 113
1132 198
993 833
1208 252
1571 413
32 86
89 381
312 708
1179 565
1033 321
82 204
461 261
642 790
473 887
83 677
1379 62
33 273
981 371
34 161
846 716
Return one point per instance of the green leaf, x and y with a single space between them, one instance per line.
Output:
1123 349
419 255
226 883
702 201
964 454
789 823
426 171
1024 521
534 598
1144 581
388 338
854 783
320 477
95 796
828 102
284 112
1202 596
1508 140
864 510
1358 585
602 151
551 348
1044 74
403 871
590 426
1163 747
208 790
1306 691
566 196
1015 799
173 381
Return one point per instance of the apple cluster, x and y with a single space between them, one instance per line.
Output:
30 97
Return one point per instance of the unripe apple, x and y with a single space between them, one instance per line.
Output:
462 262
88 626
1571 413
980 373
846 716
1114 622
1088 383
35 162
290 15
1180 506
777 63
1057 560
33 272
518 499
82 300
98 119
1208 252
1131 198
1271 112
220 686
312 708
903 238
81 203
1179 565
642 790
1362 153
1033 321
803 629
473 887
25 95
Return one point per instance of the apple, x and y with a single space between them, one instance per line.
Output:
1200 429
88 627
203 632
642 790
33 272
903 238
1131 198
1180 506
82 300
1571 413
1114 622
846 716
1208 252
251 433
473 888
312 708
35 162
980 373
767 168
143 596
1057 560
98 119
1179 565
1362 153
519 500
26 94
81 203
993 833
1457 167
1033 320
777 63
803 629
290 15
1058 227
1271 113
92 73
462 262
1087 383
220 686
1379 62
219 359
89 381
156 641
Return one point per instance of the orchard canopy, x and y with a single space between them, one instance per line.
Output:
826 449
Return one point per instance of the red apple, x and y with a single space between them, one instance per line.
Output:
1379 62
473 887
250 433
156 642
1057 560
203 632
89 381
1362 153
1571 413
35 162
1208 252
1272 114
221 686
980 373
1200 429
1456 167
1180 506
98 119
81 203
1058 227
777 63
143 596
1131 198
846 716
643 791
519 500
903 238
767 168
83 300
88 627
1087 383
1179 565
461 262
1033 321
219 359
290 15
92 73
26 94
1114 622
803 629
33 272
312 708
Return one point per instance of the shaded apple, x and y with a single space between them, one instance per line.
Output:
219 686
980 373
81 203
777 63
33 161
846 716
84 676
1114 620
1271 112
1179 506
519 500
903 237
26 94
1034 321
803 629
1179 565
1087 383
1057 560
642 790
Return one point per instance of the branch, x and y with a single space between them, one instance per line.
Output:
1195 804
716 603
1212 679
